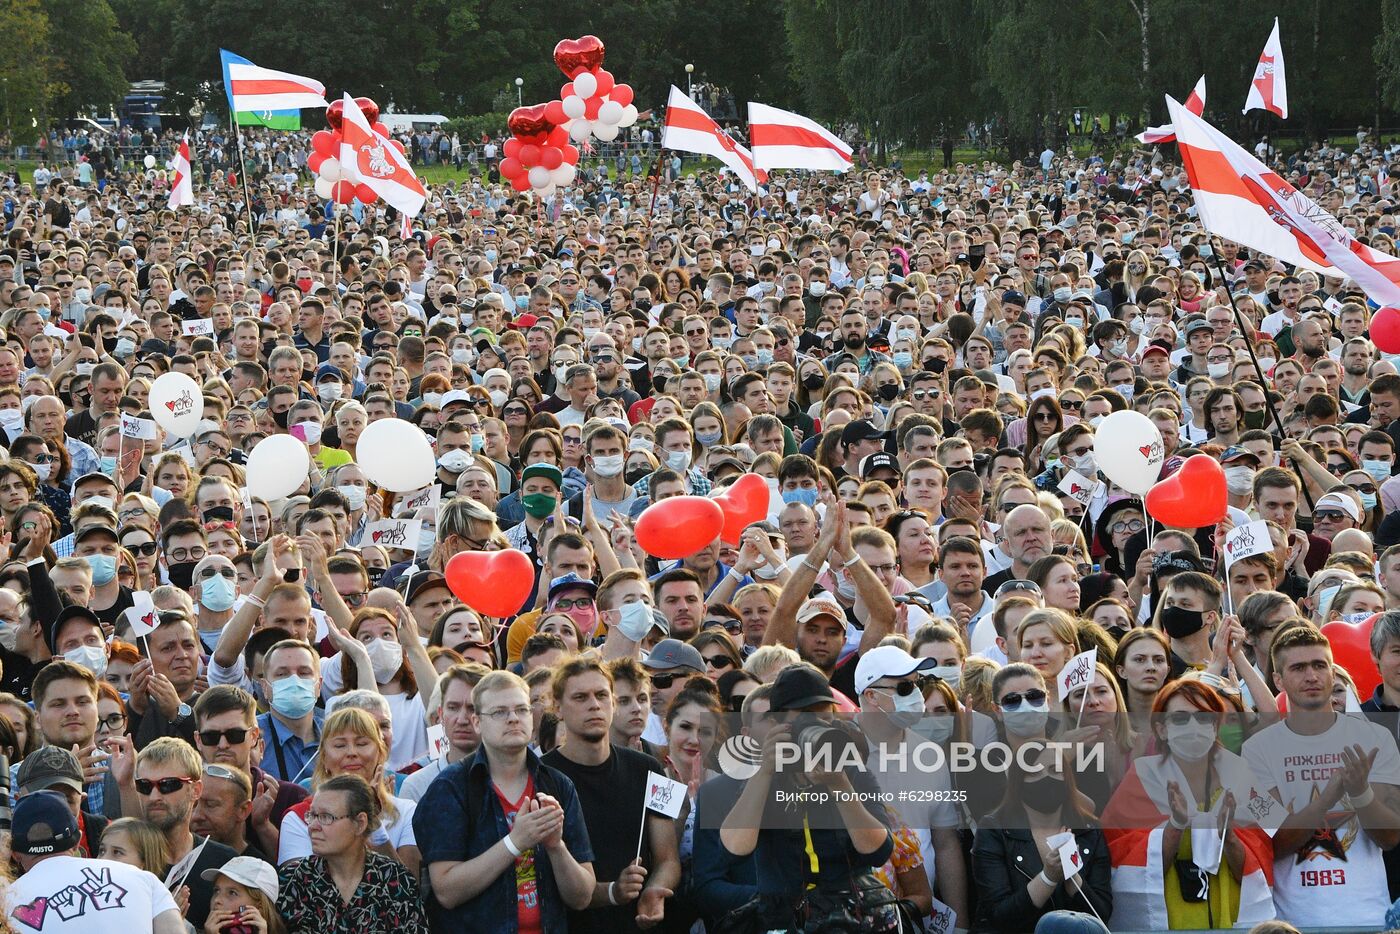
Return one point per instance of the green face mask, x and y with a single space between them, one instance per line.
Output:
1256 419
538 505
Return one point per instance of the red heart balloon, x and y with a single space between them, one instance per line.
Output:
335 114
369 108
578 55
495 583
1351 648
744 503
680 526
529 121
1193 497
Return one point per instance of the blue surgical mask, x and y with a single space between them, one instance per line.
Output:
293 697
807 496
107 465
765 356
1368 500
104 568
903 359
522 302
216 593
478 442
708 438
1379 470
490 255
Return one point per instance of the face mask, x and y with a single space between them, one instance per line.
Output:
936 728
107 465
293 697
1046 796
813 381
9 637
640 444
1190 741
1368 500
679 461
707 438
329 392
635 620
354 495
755 249
1063 294
91 657
181 574
461 355
1026 720
817 289
1267 364
721 343
104 569
427 538
609 465
1217 370
712 381
1180 623
908 709
888 392
876 281
217 593
498 397
763 357
386 658
1323 599
311 432
559 372
807 497
83 295
41 471
1118 348
1239 480
1379 470
522 302
491 255
1257 420
845 587
125 347
432 398
586 619
539 505
455 461
1076 322
904 360
1138 326
949 673
1086 464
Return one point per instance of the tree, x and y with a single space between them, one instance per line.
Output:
88 52
24 68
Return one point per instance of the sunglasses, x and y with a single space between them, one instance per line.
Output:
166 786
1328 514
1071 405
1035 697
234 736
144 550
719 661
903 688
1186 717
664 679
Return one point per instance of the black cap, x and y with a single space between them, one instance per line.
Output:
43 825
860 430
799 686
418 583
876 461
67 614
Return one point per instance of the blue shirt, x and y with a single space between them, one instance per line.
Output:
460 817
285 756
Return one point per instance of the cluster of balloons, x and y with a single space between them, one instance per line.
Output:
538 156
324 160
592 103
1128 450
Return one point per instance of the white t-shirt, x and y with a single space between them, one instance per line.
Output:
1338 878
72 895
923 795
296 839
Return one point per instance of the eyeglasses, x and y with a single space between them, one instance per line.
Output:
1035 697
1185 717
719 661
209 572
356 599
1132 526
323 818
664 679
1331 514
143 550
884 568
903 688
502 714
112 723
234 736
1044 416
578 603
197 553
166 786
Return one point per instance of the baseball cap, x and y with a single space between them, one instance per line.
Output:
66 615
454 395
547 471
1234 452
1161 347
43 824
860 430
87 532
421 582
1196 323
876 461
799 686
571 580
888 661
1013 297
1256 264
249 871
48 766
823 604
330 370
1339 501
673 653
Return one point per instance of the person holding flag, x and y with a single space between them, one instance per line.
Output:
182 185
369 158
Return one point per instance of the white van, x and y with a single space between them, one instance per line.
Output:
418 123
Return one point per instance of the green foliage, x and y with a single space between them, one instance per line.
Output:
472 128
24 69
88 53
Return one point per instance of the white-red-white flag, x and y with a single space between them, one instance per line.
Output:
250 87
690 129
182 186
1268 89
367 158
1239 198
1195 102
782 139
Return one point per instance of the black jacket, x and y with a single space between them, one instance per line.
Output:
1005 860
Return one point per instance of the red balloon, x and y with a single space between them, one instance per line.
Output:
313 162
335 114
551 158
558 137
744 503
680 526
529 121
566 90
622 93
591 107
324 143
521 182
1351 648
554 112
570 153
512 148
369 108
529 155
380 128
495 583
1385 330
576 55
511 167
1193 497
343 192
605 80
365 194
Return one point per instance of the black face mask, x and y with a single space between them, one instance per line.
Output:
813 381
109 344
281 418
888 392
218 514
1046 796
1256 419
935 364
291 575
375 575
634 476
643 304
1180 623
182 574
308 375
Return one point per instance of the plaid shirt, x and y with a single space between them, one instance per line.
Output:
695 480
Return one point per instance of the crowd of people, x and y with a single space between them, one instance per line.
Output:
227 714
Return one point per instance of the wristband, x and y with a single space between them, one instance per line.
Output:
808 563
1176 825
256 601
852 561
1362 800
510 845
612 899
1046 879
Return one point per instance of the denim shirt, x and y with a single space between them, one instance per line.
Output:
460 817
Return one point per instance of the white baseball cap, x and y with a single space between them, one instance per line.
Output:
888 661
249 871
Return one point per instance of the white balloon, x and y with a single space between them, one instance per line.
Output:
177 403
330 170
611 112
563 176
1128 450
586 85
579 130
277 467
395 456
629 115
324 187
170 164
149 162
607 132
539 177
574 107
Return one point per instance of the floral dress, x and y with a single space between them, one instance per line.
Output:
386 902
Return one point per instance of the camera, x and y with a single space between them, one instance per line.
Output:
825 740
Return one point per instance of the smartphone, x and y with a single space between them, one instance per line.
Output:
976 255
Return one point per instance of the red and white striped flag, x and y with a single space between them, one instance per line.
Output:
690 129
1195 102
785 140
367 158
1239 198
405 226
1268 89
253 88
182 185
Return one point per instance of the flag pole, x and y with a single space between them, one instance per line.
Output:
243 172
642 833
